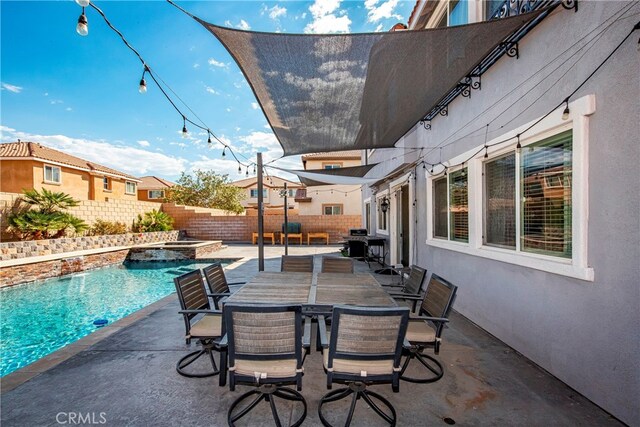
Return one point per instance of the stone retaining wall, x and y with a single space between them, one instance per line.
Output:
43 270
31 248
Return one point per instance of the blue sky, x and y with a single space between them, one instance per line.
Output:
80 94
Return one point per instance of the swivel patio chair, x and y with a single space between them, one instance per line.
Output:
297 264
425 329
217 283
267 348
200 323
412 286
331 264
363 348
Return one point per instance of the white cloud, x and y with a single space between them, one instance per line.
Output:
223 166
56 101
11 88
144 143
379 28
45 94
243 25
325 19
196 65
277 11
211 90
135 161
383 11
254 105
68 109
215 63
228 110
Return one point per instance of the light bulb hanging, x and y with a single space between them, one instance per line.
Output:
565 113
518 146
486 152
83 3
224 151
254 169
247 174
185 133
209 137
143 84
83 24
239 168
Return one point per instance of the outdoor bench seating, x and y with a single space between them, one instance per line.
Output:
272 236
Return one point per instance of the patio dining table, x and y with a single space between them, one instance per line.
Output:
316 292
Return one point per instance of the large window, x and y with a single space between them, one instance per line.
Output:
156 194
130 187
500 202
545 184
254 193
451 207
52 174
332 209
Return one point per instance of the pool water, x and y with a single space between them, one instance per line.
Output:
41 317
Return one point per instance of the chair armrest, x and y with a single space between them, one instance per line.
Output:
306 337
322 332
431 319
223 294
416 297
224 341
200 312
392 286
236 283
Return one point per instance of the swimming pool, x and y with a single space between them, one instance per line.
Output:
41 317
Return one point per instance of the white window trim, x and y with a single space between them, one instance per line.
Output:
364 212
392 216
135 188
379 197
44 174
576 267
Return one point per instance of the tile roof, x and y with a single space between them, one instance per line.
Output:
37 151
154 183
350 154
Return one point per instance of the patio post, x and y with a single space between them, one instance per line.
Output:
286 222
260 215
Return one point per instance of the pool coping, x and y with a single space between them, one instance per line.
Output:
32 370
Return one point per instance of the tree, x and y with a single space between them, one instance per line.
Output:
207 189
41 215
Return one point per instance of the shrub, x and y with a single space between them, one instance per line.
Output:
101 227
153 221
43 217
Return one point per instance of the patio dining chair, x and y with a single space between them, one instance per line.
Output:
267 346
297 264
411 286
425 329
363 348
332 264
217 283
201 323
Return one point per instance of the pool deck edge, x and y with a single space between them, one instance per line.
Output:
32 370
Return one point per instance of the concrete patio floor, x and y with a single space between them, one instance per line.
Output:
129 378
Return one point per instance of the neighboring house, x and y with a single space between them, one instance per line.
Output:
272 186
28 165
330 199
153 189
542 240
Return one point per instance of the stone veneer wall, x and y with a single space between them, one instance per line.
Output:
43 270
125 211
31 248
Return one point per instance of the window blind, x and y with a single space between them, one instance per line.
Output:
545 180
440 208
458 206
500 202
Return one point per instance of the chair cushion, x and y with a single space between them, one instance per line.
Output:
356 367
208 326
273 368
420 331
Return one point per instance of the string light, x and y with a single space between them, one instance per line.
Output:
247 174
486 152
224 152
239 168
143 84
83 24
209 137
185 133
83 3
518 146
565 113
254 169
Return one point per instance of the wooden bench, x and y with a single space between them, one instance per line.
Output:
272 236
291 236
320 235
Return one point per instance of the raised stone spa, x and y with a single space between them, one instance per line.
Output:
172 251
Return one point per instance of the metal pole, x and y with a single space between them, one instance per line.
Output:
286 222
260 218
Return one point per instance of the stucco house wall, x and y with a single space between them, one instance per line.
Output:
585 332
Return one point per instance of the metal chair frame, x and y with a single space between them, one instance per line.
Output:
217 283
297 263
357 384
198 304
267 388
412 286
437 314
